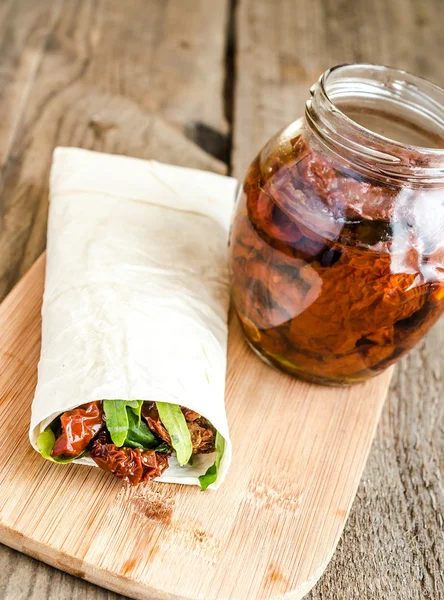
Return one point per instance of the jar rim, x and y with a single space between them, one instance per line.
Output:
371 150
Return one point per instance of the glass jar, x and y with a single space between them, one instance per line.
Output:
337 246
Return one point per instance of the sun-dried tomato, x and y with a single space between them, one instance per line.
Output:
317 175
334 274
203 436
151 416
133 465
78 427
190 415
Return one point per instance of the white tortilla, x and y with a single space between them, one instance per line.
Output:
136 291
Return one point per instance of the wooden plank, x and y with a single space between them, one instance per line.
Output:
392 545
111 76
130 77
24 32
23 36
269 532
355 30
276 574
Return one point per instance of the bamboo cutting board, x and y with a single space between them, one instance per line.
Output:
268 533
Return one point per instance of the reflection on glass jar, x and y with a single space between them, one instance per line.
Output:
337 246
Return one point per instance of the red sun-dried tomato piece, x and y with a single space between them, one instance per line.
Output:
151 416
133 465
78 428
190 415
203 436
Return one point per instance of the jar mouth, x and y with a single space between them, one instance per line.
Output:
349 100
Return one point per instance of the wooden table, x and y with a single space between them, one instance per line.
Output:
211 81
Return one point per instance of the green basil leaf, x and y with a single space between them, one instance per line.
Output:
45 444
132 403
137 409
212 472
174 422
139 434
117 419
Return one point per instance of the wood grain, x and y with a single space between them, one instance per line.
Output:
104 76
75 72
392 546
269 532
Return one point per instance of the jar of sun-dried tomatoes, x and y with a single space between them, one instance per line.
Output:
337 246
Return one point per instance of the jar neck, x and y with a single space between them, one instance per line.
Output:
375 95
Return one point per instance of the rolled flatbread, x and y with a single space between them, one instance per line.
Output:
136 297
